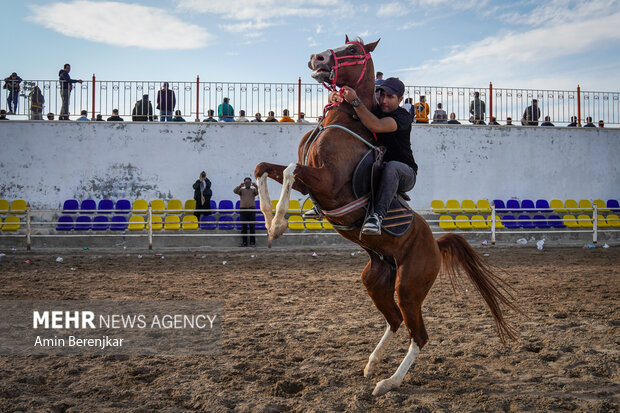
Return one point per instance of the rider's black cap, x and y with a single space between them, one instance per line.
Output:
392 86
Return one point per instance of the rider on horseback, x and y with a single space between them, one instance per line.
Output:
392 126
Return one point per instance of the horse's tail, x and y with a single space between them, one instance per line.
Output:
456 253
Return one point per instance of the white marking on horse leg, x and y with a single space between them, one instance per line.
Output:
265 201
279 222
375 356
394 382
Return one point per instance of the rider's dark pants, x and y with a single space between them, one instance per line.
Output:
396 177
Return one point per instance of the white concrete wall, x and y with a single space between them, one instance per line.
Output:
48 162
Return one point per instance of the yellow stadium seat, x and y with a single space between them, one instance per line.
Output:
557 205
274 204
478 222
172 223
313 225
158 206
157 222
585 205
468 206
11 223
438 207
296 223
613 220
139 206
327 225
174 206
18 206
600 205
0 223
498 222
189 205
483 205
601 222
453 206
570 221
462 222
308 204
190 222
294 207
585 221
136 223
446 222
4 206
571 206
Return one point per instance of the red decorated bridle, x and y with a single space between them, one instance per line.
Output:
362 60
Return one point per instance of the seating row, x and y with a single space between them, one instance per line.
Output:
527 221
17 206
453 206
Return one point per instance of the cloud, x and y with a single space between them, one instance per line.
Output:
120 24
392 10
246 26
258 9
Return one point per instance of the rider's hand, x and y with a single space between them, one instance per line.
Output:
348 94
334 97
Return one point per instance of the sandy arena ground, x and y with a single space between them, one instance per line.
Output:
297 332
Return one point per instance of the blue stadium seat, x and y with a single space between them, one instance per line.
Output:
260 221
100 223
65 223
613 205
237 224
525 221
70 206
257 204
238 205
542 205
207 222
513 206
499 205
123 206
226 207
213 205
88 206
528 206
106 206
510 221
226 222
555 221
82 223
118 223
540 221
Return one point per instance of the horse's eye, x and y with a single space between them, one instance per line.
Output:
351 49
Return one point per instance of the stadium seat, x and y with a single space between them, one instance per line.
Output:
613 205
65 223
528 206
295 223
510 221
468 206
274 204
158 206
4 206
260 221
118 223
70 206
140 206
237 223
327 225
585 205
601 222
257 204
570 221
207 222
226 222
11 223
557 205
613 220
123 206
105 206
313 225
226 206
542 205
499 205
172 223
525 221
446 222
88 206
453 206
82 223
555 221
438 207
478 222
157 222
174 207
584 221
18 206
307 205
462 222
513 205
483 205
294 207
498 222
189 205
100 223
540 221
571 206
136 223
600 205
190 223
212 206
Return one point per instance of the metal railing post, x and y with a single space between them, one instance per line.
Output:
493 224
93 117
197 98
299 98
578 105
150 227
490 102
28 227
594 225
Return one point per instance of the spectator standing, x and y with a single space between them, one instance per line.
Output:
440 115
3 115
210 117
202 195
178 116
225 111
589 123
453 120
166 101
286 117
408 106
573 122
379 79
142 110
115 117
247 192
477 110
302 118
547 122
66 86
84 117
242 117
271 117
11 84
421 110
257 117
36 103
50 116
531 114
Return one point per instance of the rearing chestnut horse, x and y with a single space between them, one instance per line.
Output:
406 265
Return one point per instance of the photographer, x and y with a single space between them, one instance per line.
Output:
247 191
202 195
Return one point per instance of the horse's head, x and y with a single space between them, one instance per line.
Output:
345 65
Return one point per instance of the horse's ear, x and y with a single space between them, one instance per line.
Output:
346 38
371 46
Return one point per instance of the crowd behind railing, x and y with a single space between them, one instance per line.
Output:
196 101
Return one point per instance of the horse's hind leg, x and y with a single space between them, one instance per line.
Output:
378 278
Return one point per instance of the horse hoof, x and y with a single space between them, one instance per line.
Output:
383 387
370 368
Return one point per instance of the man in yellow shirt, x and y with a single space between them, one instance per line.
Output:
286 117
421 110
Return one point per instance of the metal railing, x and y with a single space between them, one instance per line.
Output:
195 98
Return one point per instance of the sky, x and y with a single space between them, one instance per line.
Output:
554 44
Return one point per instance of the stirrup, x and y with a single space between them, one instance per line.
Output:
312 213
372 226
